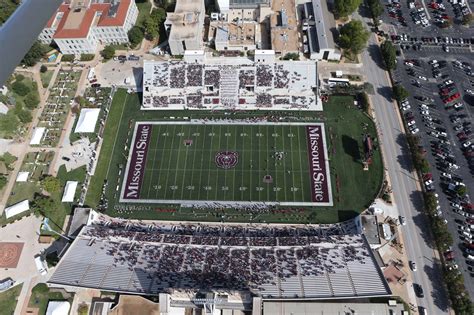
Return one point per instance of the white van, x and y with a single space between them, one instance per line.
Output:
40 265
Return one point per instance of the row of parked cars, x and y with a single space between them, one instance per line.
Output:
442 149
432 40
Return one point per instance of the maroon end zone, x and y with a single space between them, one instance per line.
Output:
320 180
136 169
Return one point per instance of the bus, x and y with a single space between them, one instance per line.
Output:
337 81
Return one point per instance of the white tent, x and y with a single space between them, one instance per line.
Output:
22 176
58 308
69 191
17 208
87 120
37 135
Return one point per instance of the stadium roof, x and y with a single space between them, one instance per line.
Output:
144 261
87 120
21 30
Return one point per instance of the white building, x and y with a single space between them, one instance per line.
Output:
185 26
78 26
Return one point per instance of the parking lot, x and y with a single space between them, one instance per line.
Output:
440 110
424 18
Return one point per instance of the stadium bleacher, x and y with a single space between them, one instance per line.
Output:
280 86
270 261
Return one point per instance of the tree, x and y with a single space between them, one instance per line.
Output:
291 56
461 190
467 19
158 14
363 99
376 8
24 116
20 88
7 7
431 202
19 77
353 36
399 93
151 27
108 52
135 36
43 206
67 58
43 69
51 184
31 101
343 8
87 57
389 54
3 181
35 53
151 24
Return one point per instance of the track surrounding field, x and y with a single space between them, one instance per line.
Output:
221 162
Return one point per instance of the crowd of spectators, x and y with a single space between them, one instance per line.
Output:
264 75
230 86
177 76
194 75
246 78
242 257
282 77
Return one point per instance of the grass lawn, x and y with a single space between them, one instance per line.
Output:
62 208
114 119
9 125
8 299
144 9
353 188
40 295
46 77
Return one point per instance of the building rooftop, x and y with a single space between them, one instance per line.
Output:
325 308
243 4
272 262
284 27
235 34
184 19
229 85
324 23
74 21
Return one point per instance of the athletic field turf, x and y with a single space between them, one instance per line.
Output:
246 163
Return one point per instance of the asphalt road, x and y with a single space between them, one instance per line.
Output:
407 196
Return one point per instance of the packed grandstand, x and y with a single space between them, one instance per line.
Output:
229 85
269 261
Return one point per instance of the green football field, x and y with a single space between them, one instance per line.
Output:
222 162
